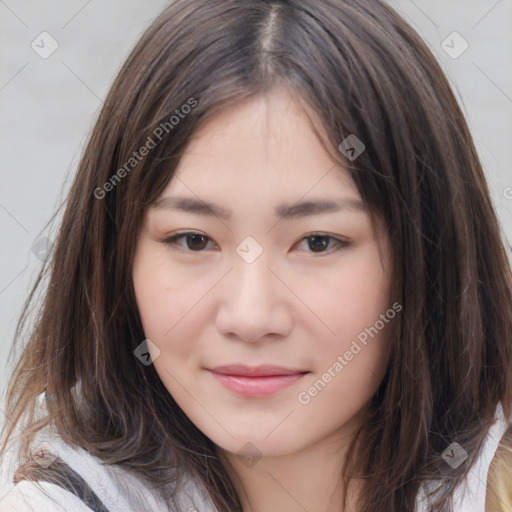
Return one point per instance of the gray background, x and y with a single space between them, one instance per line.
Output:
48 106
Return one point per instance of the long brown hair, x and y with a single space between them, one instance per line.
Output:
362 70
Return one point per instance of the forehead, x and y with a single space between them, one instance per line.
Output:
259 148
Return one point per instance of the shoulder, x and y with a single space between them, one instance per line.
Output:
471 492
75 469
40 497
117 488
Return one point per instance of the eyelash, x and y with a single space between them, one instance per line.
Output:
172 242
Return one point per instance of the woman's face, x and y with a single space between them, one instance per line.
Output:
263 286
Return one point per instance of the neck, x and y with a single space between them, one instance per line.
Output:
307 480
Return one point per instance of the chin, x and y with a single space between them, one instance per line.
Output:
253 444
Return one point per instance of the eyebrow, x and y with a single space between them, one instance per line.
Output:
302 209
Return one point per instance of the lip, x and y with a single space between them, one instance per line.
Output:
255 380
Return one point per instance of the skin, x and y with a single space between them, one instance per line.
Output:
293 306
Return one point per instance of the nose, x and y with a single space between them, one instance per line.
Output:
255 303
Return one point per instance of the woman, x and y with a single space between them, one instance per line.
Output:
279 281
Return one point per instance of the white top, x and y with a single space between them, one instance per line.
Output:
121 491
470 494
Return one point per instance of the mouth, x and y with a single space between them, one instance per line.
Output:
255 380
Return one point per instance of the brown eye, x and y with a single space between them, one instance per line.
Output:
191 242
196 242
318 243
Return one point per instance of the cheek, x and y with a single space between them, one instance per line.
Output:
351 363
172 307
160 305
353 300
154 299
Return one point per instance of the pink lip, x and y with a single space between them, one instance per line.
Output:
255 381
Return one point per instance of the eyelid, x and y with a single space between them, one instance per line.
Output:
341 243
171 241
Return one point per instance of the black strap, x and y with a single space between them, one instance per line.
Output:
65 477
